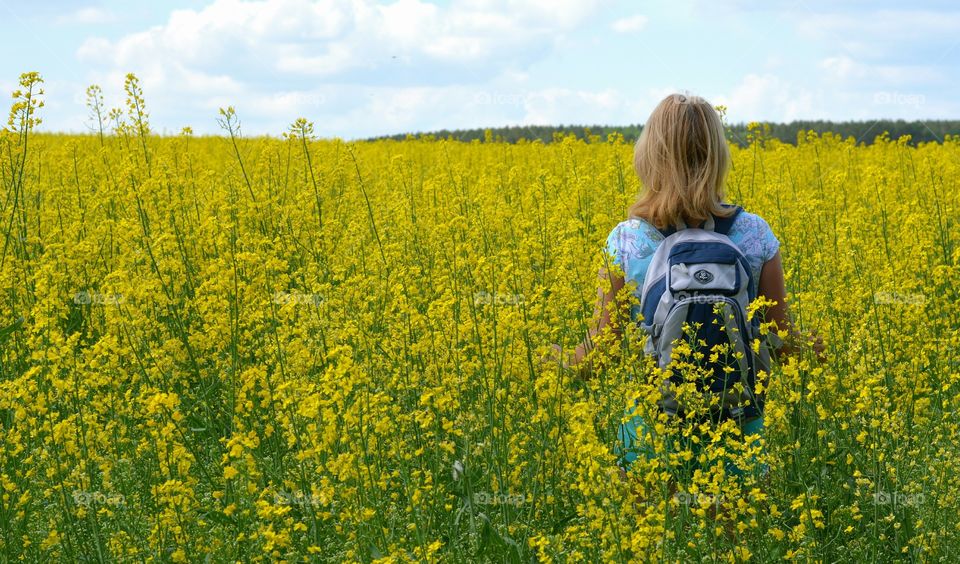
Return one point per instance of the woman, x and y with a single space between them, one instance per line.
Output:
682 159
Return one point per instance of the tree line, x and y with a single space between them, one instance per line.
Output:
741 133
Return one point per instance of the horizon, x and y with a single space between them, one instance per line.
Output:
614 128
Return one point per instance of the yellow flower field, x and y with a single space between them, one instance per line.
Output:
290 349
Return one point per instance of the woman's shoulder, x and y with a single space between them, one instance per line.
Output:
749 221
631 239
745 221
754 235
634 227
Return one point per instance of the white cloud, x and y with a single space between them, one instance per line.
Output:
845 68
768 97
325 38
892 37
884 25
90 15
456 107
358 66
841 67
564 105
631 24
773 61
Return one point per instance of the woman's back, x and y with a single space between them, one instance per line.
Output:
633 241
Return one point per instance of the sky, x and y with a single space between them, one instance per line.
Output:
361 68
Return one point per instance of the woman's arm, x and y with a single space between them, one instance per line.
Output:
604 314
773 288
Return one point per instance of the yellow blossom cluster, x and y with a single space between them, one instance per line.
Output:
237 349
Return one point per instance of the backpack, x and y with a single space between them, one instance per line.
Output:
692 270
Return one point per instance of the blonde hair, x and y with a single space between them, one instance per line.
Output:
682 159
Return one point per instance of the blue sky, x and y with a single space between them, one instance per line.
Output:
359 68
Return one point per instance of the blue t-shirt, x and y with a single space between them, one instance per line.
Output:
633 241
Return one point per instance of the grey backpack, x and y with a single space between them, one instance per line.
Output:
693 270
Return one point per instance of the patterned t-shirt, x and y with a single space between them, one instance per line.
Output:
633 241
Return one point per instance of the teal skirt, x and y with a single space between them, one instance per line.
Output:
634 440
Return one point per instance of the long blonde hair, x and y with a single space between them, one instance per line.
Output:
682 159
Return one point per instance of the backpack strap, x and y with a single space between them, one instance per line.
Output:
668 231
721 225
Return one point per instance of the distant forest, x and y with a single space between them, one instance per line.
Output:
862 131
